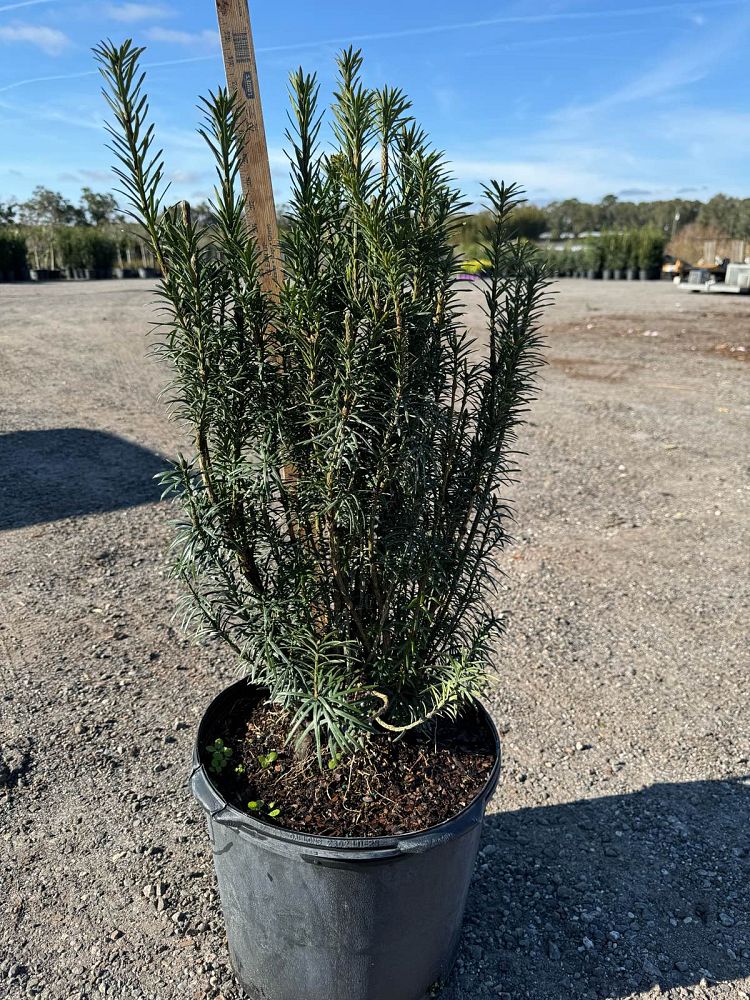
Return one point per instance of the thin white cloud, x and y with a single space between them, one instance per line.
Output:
185 38
189 176
49 40
95 72
135 13
702 136
636 135
96 175
684 66
171 36
447 99
46 113
540 40
47 79
489 22
543 176
23 3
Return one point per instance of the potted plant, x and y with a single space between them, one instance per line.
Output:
651 246
13 263
619 250
606 242
125 272
343 512
593 254
631 255
67 243
613 256
99 254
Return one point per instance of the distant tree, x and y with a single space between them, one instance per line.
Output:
729 215
99 209
571 216
623 214
202 214
49 208
7 213
529 221
468 232
669 215
608 209
282 217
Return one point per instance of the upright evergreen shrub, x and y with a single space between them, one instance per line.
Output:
651 246
13 262
85 248
346 497
615 250
594 255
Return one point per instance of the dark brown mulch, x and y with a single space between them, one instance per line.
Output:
398 786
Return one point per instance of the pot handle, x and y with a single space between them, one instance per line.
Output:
205 793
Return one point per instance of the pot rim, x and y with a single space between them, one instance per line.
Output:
221 811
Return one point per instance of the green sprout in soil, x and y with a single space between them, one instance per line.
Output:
220 754
259 807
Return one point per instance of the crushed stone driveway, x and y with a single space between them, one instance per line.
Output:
616 857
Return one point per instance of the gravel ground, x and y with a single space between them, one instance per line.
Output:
615 859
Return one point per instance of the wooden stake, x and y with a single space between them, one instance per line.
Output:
255 169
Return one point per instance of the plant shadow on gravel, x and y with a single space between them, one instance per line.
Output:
47 475
611 896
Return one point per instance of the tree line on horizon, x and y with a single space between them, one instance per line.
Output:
725 214
570 216
45 221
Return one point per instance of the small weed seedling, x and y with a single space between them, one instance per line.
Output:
220 754
267 759
261 808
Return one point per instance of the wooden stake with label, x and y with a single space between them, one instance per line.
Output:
255 169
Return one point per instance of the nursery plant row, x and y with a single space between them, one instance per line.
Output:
635 254
71 252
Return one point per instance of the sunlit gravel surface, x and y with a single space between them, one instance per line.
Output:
615 862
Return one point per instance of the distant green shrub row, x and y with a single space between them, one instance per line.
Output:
95 249
640 249
84 248
12 254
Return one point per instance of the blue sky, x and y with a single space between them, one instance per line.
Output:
572 98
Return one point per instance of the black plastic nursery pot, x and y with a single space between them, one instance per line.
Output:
324 918
649 273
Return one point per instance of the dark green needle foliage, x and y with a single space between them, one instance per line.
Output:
353 445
